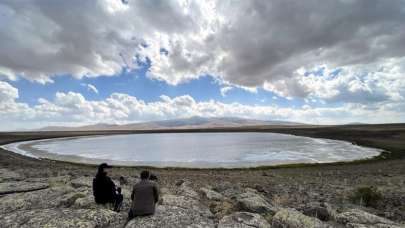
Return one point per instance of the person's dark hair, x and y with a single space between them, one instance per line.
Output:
101 168
144 175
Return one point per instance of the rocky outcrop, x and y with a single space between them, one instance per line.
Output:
243 220
67 201
291 218
21 186
357 218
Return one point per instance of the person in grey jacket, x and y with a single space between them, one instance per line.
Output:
145 194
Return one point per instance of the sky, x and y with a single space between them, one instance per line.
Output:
72 63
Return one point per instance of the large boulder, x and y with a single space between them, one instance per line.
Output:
61 218
172 217
21 186
251 201
291 218
359 218
243 220
211 194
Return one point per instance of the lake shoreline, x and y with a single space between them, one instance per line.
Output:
26 148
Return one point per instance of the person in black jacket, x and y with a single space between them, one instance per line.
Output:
104 189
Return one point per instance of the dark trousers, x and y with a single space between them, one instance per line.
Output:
118 202
132 215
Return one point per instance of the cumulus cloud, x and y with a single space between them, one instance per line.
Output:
242 43
72 108
42 39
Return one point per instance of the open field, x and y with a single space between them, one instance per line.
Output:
287 186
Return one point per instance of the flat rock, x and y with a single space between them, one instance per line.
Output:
251 201
291 218
7 175
172 217
82 182
41 199
21 186
243 220
356 217
63 218
187 203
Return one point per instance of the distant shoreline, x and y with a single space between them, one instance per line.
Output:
306 131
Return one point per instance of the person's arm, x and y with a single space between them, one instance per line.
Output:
133 194
94 187
111 185
156 193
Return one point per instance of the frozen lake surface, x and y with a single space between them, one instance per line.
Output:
201 150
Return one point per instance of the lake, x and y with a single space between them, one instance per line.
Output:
198 150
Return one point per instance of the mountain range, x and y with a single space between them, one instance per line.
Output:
185 123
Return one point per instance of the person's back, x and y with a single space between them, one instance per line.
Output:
145 195
103 189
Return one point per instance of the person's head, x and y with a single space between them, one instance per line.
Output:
145 175
104 168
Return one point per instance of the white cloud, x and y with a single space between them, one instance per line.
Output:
73 109
225 90
245 44
90 87
7 92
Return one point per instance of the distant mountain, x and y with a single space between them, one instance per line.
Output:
186 123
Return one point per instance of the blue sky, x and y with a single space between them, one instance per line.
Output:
121 62
136 83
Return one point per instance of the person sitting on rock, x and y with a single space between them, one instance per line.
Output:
104 189
145 195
